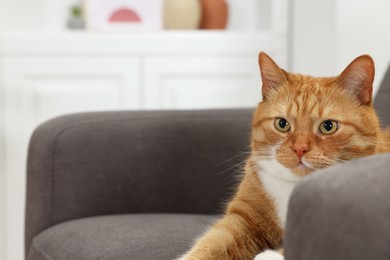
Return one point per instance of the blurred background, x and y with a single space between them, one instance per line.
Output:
66 56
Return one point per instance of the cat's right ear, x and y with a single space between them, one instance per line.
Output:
271 75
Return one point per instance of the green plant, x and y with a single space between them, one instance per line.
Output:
76 11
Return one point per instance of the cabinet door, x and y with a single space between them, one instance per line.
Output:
47 87
38 89
202 82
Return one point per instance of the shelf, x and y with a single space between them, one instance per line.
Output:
214 41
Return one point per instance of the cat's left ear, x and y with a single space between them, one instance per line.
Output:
358 78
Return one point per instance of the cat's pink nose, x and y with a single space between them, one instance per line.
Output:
300 149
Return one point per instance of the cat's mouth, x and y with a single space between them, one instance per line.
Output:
303 165
302 168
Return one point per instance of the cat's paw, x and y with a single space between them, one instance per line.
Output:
269 255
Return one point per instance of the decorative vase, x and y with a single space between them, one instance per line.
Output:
214 14
77 23
182 14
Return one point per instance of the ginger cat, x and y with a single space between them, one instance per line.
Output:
303 124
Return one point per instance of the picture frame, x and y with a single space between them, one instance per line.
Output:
123 15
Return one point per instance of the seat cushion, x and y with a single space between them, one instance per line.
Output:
135 236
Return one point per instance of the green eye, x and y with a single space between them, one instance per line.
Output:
329 127
282 125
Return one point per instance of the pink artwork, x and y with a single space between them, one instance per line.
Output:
125 15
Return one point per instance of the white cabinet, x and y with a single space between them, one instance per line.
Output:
46 75
189 82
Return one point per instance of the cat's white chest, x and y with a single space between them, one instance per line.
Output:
279 183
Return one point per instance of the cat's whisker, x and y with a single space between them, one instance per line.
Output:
237 166
382 142
379 142
383 147
234 157
265 156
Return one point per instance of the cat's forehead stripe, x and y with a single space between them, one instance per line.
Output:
303 104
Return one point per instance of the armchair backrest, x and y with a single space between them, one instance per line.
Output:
382 100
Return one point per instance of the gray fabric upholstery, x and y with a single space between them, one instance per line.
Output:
382 100
120 237
132 162
342 213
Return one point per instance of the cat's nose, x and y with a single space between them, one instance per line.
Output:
300 149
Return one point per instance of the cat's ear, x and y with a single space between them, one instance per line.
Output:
358 78
271 75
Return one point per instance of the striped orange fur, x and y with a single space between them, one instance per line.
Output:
253 220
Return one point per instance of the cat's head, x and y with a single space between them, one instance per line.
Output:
307 123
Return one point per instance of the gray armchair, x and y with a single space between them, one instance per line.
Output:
130 185
143 185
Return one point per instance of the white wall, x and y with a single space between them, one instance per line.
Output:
23 15
37 15
2 151
328 35
2 169
363 27
313 37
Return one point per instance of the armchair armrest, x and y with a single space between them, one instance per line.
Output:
342 213
132 162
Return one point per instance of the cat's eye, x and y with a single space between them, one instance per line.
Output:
329 127
282 125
